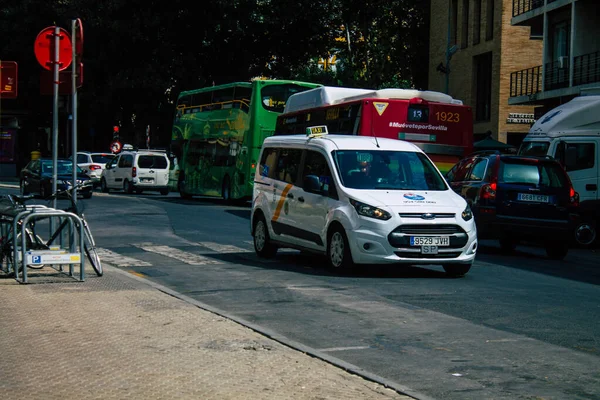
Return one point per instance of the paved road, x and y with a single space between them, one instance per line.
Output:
515 327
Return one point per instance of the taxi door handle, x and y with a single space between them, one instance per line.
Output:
290 196
301 199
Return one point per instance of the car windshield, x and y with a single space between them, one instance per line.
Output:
538 175
63 167
387 170
534 148
102 158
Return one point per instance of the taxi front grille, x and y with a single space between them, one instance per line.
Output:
429 229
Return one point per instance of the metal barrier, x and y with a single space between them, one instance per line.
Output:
54 255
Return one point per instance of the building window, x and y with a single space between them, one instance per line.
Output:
454 23
560 40
476 21
489 20
483 89
464 42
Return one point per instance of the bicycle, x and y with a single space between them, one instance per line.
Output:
10 207
34 241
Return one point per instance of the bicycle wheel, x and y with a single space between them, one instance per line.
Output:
90 250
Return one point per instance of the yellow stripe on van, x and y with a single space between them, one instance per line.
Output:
281 201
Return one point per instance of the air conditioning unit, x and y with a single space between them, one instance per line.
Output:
563 62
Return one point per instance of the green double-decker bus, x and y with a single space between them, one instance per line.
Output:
218 132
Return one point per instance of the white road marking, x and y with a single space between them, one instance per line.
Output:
119 260
172 252
224 248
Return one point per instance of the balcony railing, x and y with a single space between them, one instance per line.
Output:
526 82
522 6
586 69
557 75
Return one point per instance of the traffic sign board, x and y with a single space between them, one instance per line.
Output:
44 48
8 79
116 147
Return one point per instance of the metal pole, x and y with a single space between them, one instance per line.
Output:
74 105
55 114
448 46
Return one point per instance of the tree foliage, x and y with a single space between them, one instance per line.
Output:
139 54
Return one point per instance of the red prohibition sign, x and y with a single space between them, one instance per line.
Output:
115 146
44 48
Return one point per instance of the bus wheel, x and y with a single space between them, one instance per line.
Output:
226 190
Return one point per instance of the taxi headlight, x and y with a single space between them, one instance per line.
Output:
467 214
370 211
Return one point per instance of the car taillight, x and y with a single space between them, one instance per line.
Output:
94 167
573 197
133 172
488 191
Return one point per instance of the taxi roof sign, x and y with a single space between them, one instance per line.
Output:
316 131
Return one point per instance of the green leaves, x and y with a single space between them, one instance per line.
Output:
139 54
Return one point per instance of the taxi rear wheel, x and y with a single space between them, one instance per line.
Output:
456 270
262 242
338 250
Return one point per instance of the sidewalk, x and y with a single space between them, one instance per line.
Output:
120 336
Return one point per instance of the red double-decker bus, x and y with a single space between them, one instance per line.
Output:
440 125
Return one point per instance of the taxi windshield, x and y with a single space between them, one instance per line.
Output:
387 170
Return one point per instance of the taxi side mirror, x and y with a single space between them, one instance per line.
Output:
311 184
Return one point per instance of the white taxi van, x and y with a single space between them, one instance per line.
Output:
358 200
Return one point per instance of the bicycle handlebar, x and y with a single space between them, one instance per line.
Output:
67 191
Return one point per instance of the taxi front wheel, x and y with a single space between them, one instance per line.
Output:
338 250
262 242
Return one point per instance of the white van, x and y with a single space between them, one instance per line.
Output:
359 200
137 171
571 134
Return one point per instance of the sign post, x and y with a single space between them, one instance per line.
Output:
77 49
53 51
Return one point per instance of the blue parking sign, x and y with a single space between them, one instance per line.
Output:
36 259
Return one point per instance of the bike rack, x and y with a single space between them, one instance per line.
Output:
54 256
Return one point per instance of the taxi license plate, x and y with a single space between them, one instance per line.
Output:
146 180
537 198
429 249
430 241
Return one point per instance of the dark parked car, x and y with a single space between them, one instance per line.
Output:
36 178
516 198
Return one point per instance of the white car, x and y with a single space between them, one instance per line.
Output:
93 163
359 200
137 171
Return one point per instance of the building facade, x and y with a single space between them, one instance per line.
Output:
571 52
473 51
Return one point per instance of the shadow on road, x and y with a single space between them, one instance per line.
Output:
309 264
581 265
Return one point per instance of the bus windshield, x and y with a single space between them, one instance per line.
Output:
387 170
534 148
